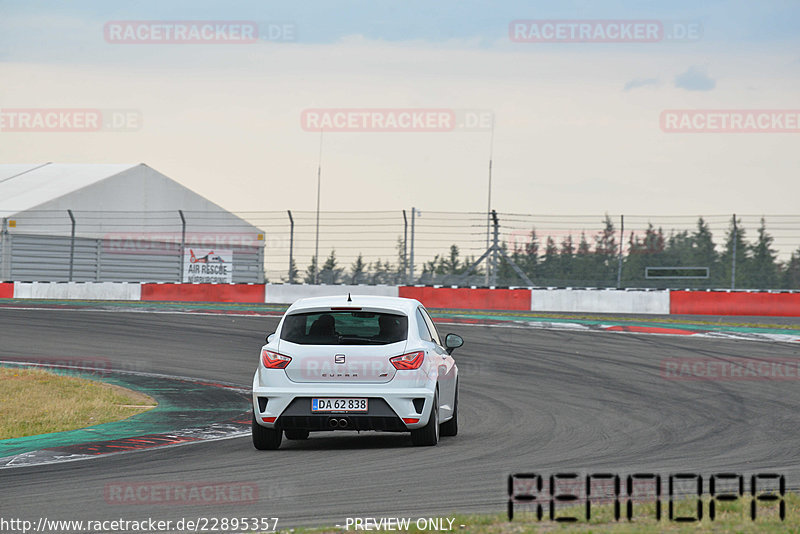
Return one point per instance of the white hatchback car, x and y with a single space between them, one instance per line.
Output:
355 363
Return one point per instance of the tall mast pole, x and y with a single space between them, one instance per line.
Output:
319 182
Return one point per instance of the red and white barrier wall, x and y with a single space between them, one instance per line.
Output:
246 293
76 290
786 304
600 301
470 299
286 293
6 290
660 302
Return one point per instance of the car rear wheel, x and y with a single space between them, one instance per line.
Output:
265 439
296 434
450 428
429 434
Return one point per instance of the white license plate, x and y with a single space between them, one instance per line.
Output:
338 404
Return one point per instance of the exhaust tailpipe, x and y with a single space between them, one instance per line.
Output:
343 423
333 423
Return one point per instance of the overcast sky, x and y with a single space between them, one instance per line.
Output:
578 125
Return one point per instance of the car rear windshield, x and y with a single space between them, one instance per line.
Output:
344 328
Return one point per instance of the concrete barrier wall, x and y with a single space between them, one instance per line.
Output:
249 293
600 301
288 293
77 290
735 303
6 290
469 299
665 302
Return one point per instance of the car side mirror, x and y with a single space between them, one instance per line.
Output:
268 339
452 342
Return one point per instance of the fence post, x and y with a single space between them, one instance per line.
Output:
733 259
98 259
621 243
495 248
405 247
183 245
411 257
71 245
291 246
5 252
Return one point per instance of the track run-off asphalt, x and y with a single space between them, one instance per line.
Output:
531 400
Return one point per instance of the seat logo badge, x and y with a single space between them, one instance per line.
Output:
338 358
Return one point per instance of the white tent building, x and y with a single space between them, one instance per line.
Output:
81 222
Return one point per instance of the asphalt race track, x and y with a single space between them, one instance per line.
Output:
531 400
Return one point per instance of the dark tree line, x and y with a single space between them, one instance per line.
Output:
359 272
597 264
593 261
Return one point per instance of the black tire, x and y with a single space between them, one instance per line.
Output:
450 428
296 434
428 435
265 439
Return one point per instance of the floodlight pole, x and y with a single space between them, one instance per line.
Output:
495 247
621 242
733 259
319 181
489 205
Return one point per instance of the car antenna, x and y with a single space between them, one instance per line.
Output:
348 298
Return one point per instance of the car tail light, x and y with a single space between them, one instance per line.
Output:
273 360
412 360
410 420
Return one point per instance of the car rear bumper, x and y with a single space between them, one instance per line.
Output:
380 416
291 408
